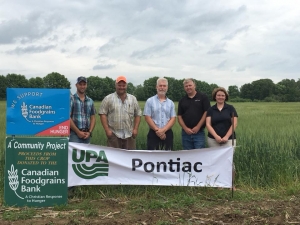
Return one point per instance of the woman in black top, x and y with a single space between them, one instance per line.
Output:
219 120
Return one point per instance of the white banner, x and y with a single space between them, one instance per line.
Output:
99 165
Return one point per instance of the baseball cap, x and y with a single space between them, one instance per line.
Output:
79 79
121 78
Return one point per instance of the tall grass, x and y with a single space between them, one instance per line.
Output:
267 152
268 139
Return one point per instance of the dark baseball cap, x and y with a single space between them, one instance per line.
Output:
79 79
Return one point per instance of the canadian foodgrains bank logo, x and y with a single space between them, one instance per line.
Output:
30 112
83 157
13 179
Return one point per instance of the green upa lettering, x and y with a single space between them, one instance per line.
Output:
87 155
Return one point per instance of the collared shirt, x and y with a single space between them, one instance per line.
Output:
160 112
192 109
120 115
81 111
221 120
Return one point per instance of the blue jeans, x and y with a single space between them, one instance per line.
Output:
193 141
75 138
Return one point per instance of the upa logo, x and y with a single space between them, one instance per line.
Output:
13 179
89 164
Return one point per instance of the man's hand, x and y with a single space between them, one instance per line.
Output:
134 133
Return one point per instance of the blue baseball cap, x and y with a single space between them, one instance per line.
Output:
79 79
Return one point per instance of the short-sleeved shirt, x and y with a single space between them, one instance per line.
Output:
81 111
120 115
160 112
192 109
221 120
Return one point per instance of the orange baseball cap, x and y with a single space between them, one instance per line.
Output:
121 78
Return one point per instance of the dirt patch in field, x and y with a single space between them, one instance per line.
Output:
114 211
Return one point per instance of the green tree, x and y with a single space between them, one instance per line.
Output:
56 80
109 86
37 82
287 90
139 93
212 87
130 88
233 91
246 91
175 89
99 87
16 81
203 87
2 87
262 88
94 90
150 87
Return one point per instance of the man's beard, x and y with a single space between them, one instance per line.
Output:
162 92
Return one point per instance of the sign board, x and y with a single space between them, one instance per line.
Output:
37 111
36 171
100 165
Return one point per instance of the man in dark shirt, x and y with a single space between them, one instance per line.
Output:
192 110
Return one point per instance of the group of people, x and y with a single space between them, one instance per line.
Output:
120 116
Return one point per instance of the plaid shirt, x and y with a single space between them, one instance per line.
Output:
120 115
81 112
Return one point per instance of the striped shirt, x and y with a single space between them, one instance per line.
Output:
81 111
160 112
120 115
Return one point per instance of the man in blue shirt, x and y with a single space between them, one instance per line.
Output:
160 115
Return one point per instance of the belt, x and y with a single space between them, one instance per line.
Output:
85 129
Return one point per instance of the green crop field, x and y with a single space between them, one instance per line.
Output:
268 143
267 160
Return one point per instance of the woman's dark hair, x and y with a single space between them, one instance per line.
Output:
214 93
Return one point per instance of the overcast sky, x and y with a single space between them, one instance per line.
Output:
229 42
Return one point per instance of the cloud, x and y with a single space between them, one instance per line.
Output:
35 26
241 69
103 66
155 51
237 31
83 49
110 45
218 49
221 64
208 40
213 19
31 49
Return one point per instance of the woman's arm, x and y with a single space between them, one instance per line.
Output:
229 132
211 130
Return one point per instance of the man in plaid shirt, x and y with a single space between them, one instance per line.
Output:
82 119
120 116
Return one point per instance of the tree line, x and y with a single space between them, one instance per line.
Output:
287 90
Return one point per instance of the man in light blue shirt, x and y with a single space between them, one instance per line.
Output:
160 115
